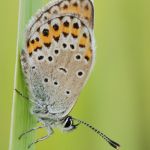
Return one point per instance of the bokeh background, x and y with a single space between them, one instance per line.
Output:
116 98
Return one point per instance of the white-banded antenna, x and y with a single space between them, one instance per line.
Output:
107 139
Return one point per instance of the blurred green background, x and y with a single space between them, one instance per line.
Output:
116 99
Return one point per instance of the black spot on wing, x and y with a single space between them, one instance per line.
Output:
47 44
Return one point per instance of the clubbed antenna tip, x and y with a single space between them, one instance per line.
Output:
107 139
113 144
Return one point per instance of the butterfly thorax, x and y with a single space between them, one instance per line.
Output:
42 112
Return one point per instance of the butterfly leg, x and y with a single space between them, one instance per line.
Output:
22 94
50 132
25 97
33 129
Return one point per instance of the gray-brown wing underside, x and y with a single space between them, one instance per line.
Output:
57 61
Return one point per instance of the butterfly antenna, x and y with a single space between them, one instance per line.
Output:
107 139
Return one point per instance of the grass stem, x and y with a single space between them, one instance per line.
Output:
21 119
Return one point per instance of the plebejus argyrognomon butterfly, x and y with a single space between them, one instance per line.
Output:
57 60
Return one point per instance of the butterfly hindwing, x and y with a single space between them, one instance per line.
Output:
59 69
58 58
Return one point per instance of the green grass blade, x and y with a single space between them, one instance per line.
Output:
21 119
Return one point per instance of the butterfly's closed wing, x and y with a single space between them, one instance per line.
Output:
59 54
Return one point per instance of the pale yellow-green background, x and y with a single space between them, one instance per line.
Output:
117 97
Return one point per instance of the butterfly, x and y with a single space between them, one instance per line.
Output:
57 60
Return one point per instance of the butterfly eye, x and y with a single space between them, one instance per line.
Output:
68 122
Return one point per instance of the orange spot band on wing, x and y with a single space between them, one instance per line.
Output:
75 31
74 9
83 41
71 9
88 54
36 45
66 10
46 39
30 48
56 33
87 12
33 46
66 29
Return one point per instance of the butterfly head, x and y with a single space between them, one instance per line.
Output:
68 124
